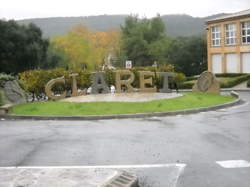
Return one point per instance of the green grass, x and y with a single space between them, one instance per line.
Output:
188 101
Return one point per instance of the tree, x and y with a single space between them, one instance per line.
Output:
76 50
189 54
85 48
144 40
21 47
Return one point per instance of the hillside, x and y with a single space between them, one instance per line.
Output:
176 25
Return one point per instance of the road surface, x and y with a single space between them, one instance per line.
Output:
207 149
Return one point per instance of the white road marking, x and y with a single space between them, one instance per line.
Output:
179 165
234 163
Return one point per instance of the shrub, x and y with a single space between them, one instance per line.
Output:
248 83
234 81
34 81
186 85
180 78
1 99
229 74
5 77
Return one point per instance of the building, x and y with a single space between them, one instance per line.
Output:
228 43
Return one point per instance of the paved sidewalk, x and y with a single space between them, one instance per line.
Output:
242 85
54 177
123 97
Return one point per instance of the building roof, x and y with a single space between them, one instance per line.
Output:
241 14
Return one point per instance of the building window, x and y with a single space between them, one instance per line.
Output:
245 32
216 36
230 34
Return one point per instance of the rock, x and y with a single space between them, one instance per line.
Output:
207 83
14 93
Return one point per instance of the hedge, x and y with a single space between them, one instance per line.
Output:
229 74
235 81
4 77
34 81
1 99
237 78
248 83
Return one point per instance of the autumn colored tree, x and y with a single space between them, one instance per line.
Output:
85 48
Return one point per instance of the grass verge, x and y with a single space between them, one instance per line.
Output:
188 101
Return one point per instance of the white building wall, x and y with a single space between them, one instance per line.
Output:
231 61
246 62
216 63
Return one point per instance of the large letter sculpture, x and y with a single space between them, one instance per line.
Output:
119 82
49 86
74 89
146 81
165 87
99 85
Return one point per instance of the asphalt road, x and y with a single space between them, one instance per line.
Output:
197 140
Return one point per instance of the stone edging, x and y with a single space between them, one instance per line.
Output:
123 116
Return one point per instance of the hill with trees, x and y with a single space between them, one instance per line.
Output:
176 25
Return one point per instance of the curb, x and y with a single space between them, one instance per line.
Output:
222 90
123 116
122 179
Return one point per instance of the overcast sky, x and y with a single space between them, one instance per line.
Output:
20 9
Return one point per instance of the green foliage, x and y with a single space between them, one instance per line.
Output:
144 41
233 81
248 83
186 85
21 47
179 78
5 77
225 80
1 99
229 74
55 58
34 81
188 54
188 101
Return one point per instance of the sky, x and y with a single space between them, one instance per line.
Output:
22 9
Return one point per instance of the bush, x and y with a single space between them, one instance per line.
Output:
1 99
248 83
186 85
5 77
229 74
34 81
233 82
234 79
180 78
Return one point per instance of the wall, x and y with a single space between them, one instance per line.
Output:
238 49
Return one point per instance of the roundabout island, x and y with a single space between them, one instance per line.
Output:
62 110
131 104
